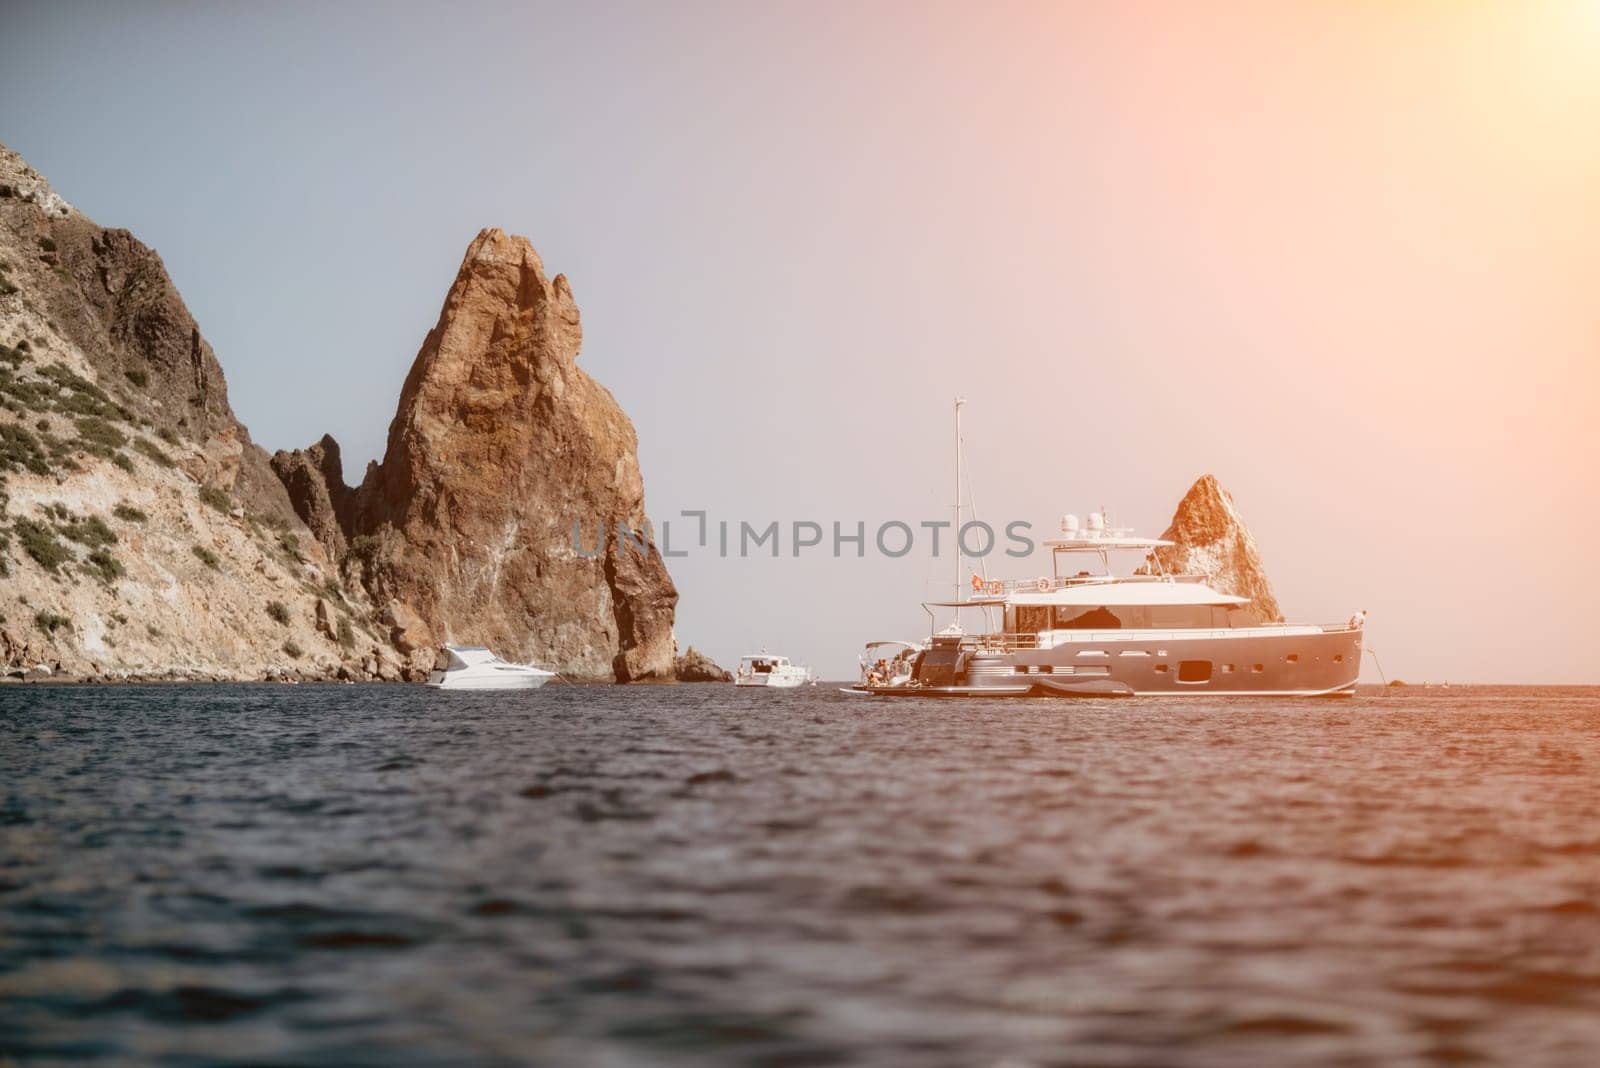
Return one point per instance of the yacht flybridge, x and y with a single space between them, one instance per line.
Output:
1088 632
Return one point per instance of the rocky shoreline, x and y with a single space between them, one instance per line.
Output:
18 677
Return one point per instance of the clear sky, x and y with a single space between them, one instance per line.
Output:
1346 256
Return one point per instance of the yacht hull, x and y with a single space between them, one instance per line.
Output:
1281 661
501 682
770 682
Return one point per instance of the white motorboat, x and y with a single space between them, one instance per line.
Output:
472 667
773 672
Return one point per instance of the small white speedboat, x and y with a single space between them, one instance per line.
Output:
773 672
472 667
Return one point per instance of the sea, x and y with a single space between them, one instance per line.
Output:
699 875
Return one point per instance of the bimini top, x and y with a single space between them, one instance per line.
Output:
1113 593
1129 594
763 658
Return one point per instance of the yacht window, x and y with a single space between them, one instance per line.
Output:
1161 617
1256 669
1338 658
1293 658
1161 669
1194 671
1102 618
1031 619
1180 616
1227 669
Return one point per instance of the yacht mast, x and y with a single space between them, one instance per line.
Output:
955 531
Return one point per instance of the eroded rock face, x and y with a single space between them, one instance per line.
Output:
314 479
695 666
499 444
408 632
1212 540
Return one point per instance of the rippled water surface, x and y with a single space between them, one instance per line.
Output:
697 875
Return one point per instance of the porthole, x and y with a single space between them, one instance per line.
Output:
1227 669
1338 658
1292 658
1256 669
1194 671
1161 669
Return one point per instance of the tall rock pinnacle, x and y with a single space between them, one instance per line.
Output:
499 445
1212 540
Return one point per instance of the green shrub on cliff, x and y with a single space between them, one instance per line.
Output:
50 622
151 450
207 557
278 611
98 437
215 498
293 650
19 449
91 531
40 542
105 567
129 514
83 396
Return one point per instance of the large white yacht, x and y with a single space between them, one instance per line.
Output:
1091 633
1087 632
773 672
472 667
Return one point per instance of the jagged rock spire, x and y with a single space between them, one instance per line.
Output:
1212 540
499 444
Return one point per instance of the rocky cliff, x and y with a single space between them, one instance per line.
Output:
465 530
1212 540
141 531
